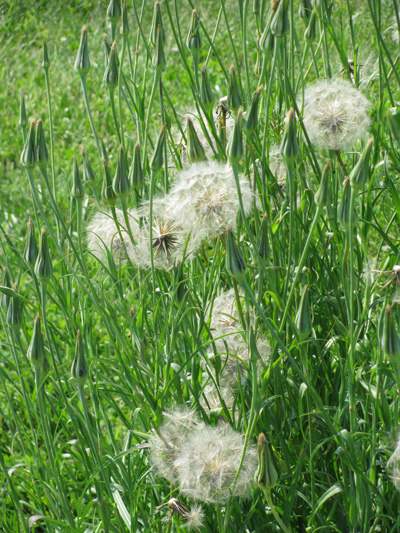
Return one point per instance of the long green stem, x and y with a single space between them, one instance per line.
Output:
94 131
267 493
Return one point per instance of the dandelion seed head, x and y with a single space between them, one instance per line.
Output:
194 518
393 466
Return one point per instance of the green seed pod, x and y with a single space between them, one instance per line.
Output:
235 263
5 298
303 320
114 11
344 206
23 119
78 190
125 24
107 191
195 150
121 182
289 145
136 177
234 97
35 351
157 160
234 148
43 265
159 57
264 248
82 63
280 20
252 115
88 173
193 41
111 74
311 30
390 341
157 21
206 93
322 195
14 311
42 155
392 119
359 174
79 370
46 60
28 155
31 251
266 475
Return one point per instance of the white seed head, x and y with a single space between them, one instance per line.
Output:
393 466
194 518
335 114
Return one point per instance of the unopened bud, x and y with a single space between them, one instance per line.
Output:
252 115
46 60
28 155
305 10
322 195
234 97
31 251
289 145
234 148
125 24
235 263
280 20
14 311
390 341
195 150
303 320
42 154
266 475
43 265
311 30
392 119
23 119
111 74
36 352
157 160
156 22
193 41
88 173
82 63
114 11
79 370
78 190
136 171
107 191
159 57
5 298
359 174
120 182
264 248
206 93
345 206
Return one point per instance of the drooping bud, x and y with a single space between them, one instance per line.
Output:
31 248
35 351
28 155
264 248
79 370
136 177
193 41
82 63
78 190
5 298
359 174
311 30
42 154
390 341
266 475
345 206
322 195
159 57
303 320
121 182
206 93
111 74
46 60
234 97
234 148
157 21
157 160
289 145
14 311
235 264
392 119
125 24
88 173
43 265
195 150
280 20
252 115
107 191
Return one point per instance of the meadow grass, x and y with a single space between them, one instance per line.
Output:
205 334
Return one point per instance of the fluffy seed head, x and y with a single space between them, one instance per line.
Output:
194 518
393 465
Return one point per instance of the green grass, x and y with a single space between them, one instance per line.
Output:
74 455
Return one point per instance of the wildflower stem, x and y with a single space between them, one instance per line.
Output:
121 136
53 170
111 93
351 375
340 160
267 493
85 97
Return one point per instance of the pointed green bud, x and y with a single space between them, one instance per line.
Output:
195 150
234 97
104 150
111 74
79 370
392 119
289 146
31 251
305 10
107 192
234 148
157 21
14 311
252 115
23 119
322 195
235 263
390 341
82 63
42 154
125 24
206 93
303 320
114 11
157 160
121 182
193 41
36 347
256 7
223 111
267 43
280 20
5 298
136 177
46 60
359 174
344 206
107 49
88 173
43 265
264 248
28 155
266 475
159 57
78 190
311 30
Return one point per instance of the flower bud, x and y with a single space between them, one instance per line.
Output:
42 154
125 24
193 41
359 174
390 341
266 475
43 266
392 119
104 150
157 21
114 10
322 195
264 249
305 10
5 298
311 30
280 20
82 63
303 320
28 155
78 190
195 150
344 206
14 311
234 148
46 60
252 115
157 160
79 370
159 57
35 351
111 74
136 177
234 98
267 42
289 146
235 263
31 248
107 191
107 49
23 119
88 173
120 182
206 93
